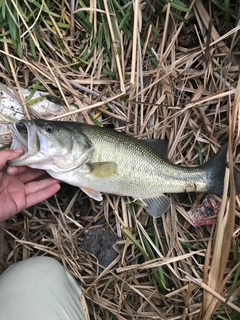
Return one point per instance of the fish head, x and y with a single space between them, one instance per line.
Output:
49 145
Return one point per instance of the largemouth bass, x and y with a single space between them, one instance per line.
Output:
100 160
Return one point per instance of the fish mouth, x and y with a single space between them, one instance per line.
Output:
24 136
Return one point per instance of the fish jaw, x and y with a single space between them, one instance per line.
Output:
24 136
43 150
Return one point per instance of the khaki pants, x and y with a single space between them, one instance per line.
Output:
39 288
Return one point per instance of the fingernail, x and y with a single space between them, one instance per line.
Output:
12 170
18 150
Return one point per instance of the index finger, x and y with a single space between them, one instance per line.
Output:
6 155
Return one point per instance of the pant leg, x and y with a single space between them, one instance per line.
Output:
39 288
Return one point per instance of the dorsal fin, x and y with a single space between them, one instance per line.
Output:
158 145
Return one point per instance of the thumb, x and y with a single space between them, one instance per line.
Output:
6 155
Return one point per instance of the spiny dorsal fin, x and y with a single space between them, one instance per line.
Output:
158 145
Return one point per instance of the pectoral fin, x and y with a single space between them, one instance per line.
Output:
102 169
156 207
93 193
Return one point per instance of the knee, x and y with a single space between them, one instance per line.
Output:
33 271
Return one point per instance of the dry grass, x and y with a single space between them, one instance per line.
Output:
167 269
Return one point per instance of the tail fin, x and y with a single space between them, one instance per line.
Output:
215 169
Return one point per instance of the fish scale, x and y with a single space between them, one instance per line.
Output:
142 165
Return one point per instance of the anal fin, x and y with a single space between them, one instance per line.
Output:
156 207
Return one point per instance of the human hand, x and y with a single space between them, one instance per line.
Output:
19 188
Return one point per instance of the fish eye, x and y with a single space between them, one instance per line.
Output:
49 128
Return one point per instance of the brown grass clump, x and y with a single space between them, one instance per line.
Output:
164 77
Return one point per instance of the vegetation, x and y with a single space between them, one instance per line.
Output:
152 69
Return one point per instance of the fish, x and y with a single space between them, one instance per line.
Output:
101 160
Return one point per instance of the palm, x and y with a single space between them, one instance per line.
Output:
15 189
22 190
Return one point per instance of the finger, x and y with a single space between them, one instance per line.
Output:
36 186
6 155
26 174
33 174
41 195
16 170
